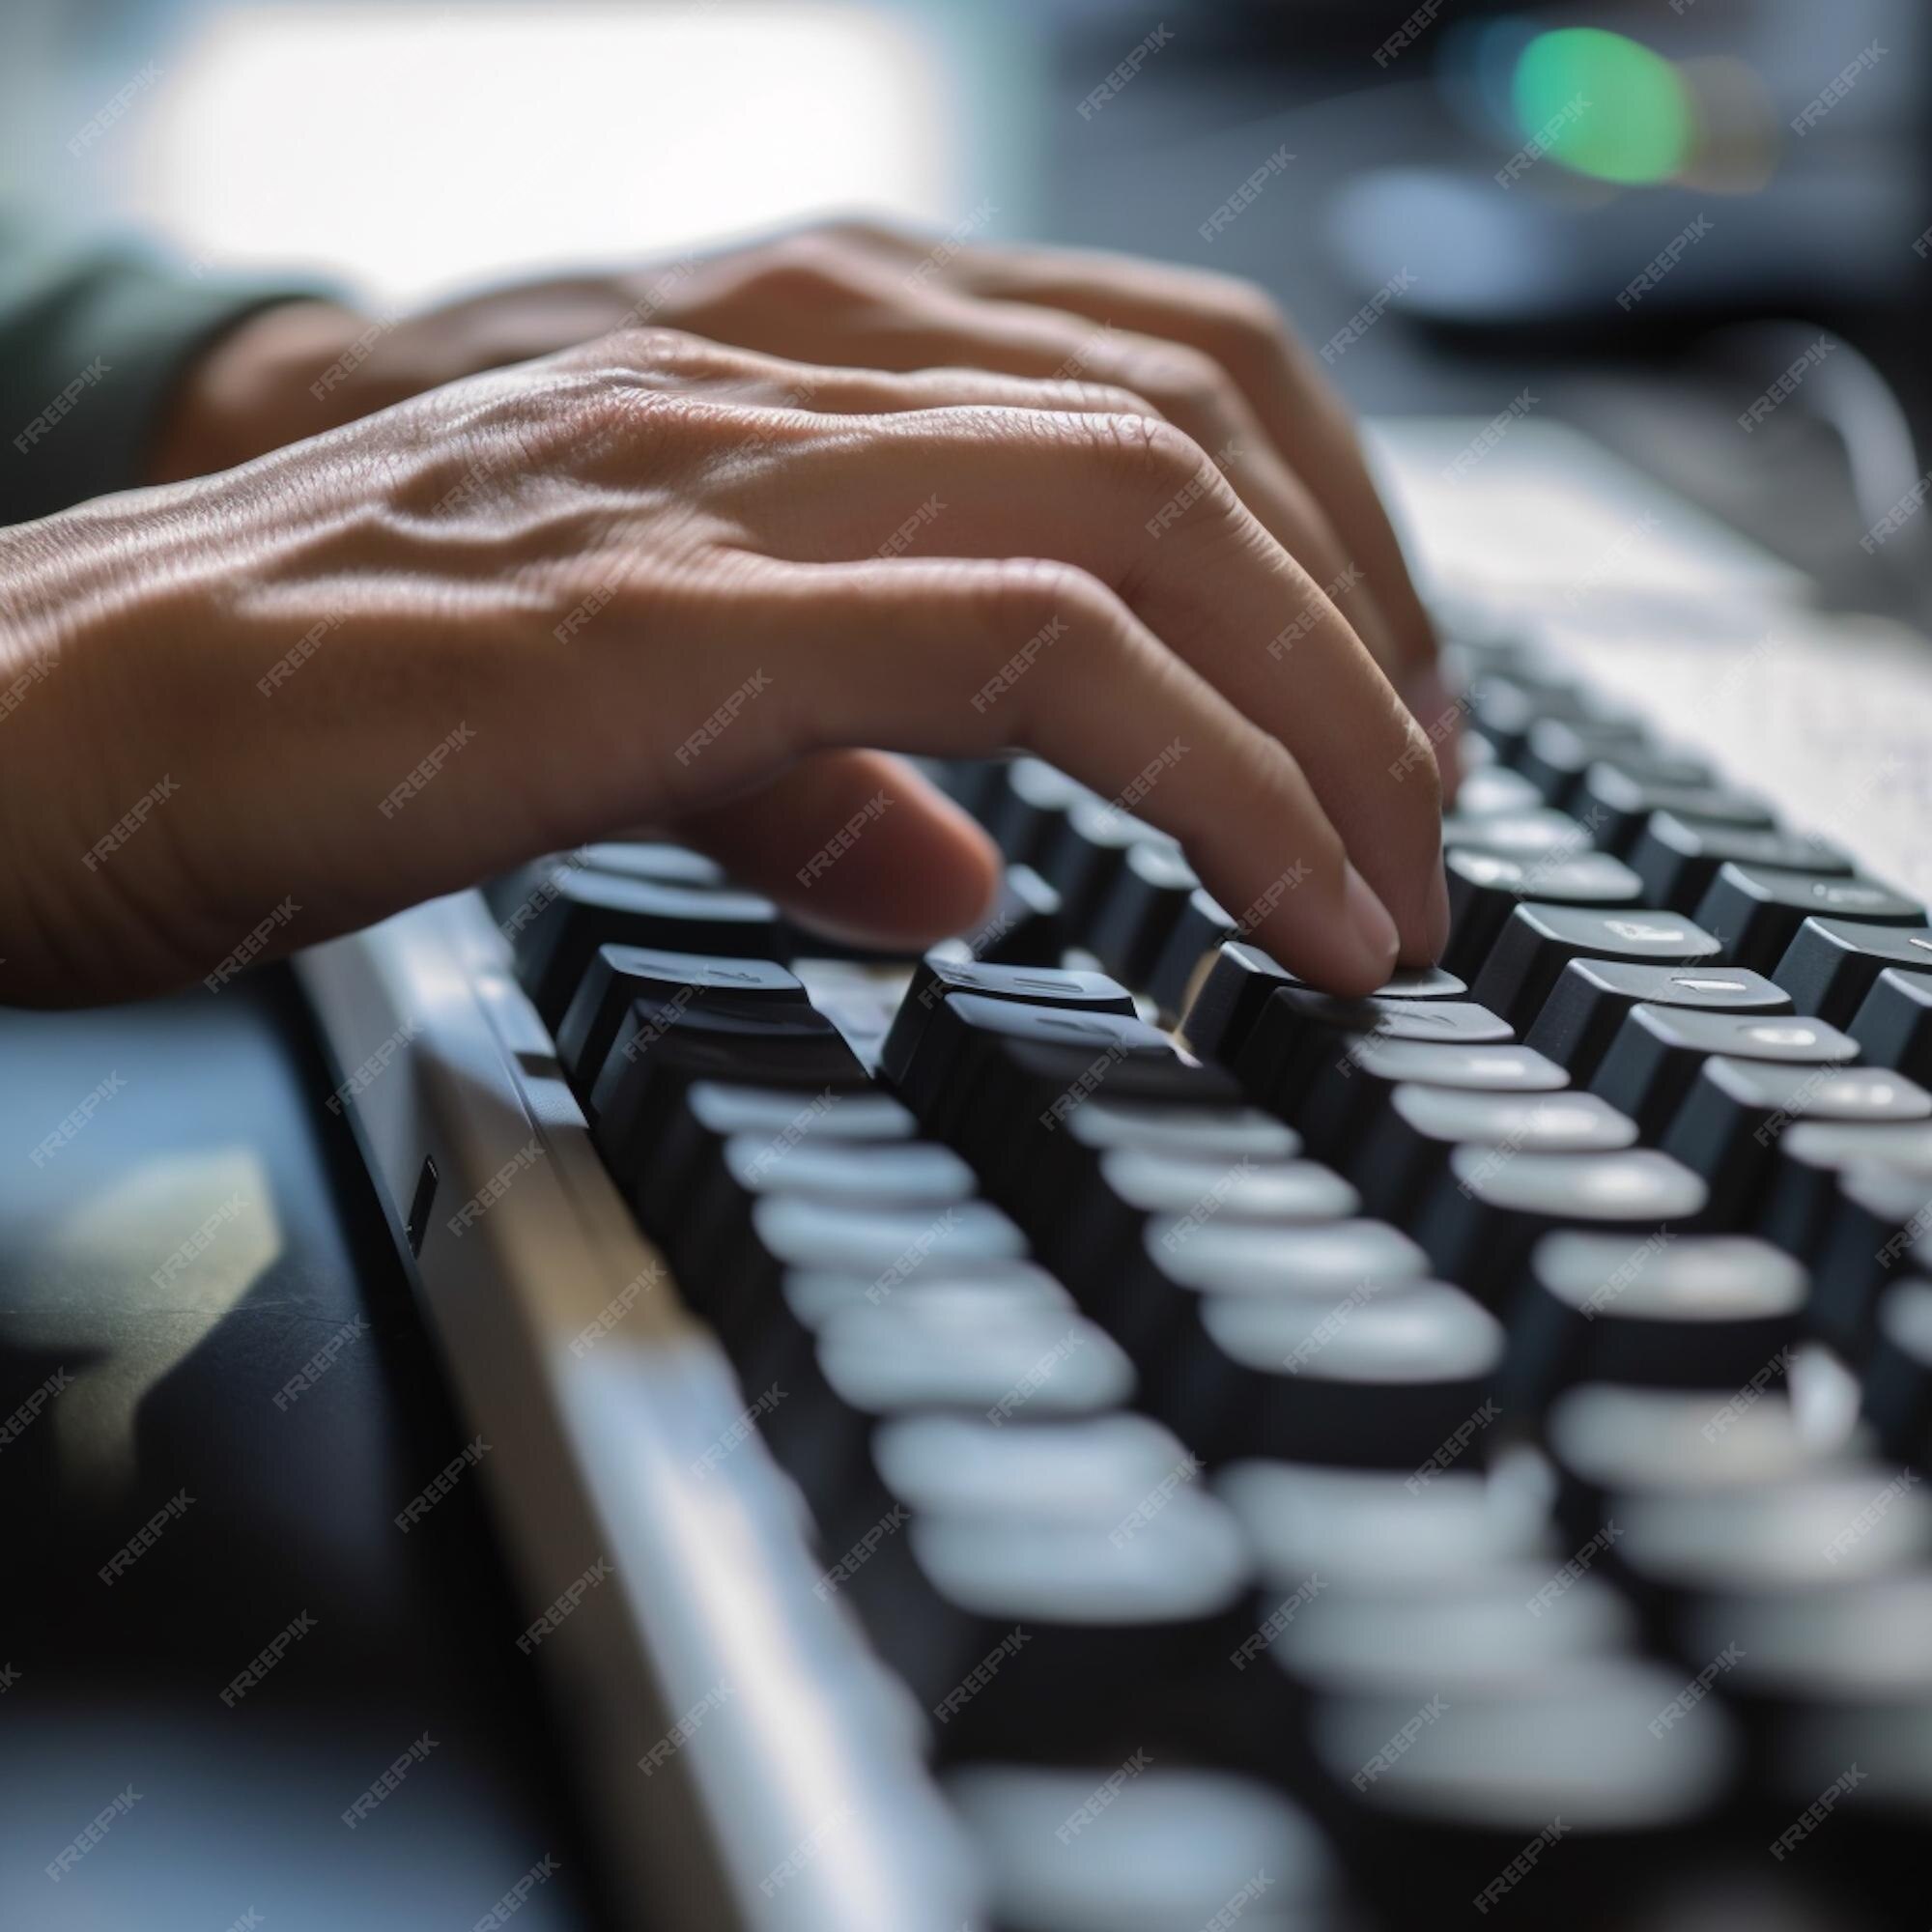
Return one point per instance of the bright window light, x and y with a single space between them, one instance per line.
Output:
407 148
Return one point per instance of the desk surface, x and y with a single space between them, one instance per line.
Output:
184 1227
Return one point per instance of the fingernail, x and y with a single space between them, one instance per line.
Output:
1375 936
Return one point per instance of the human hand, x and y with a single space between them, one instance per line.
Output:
1211 354
495 620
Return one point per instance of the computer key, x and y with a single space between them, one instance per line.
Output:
1242 976
586 909
1496 788
1027 925
1618 804
1659 1051
936 976
1144 901
1677 857
1083 1849
1831 964
1483 1218
1200 927
1812 1154
1349 1097
1082 854
970 782
1867 1237
1893 1023
1728 1125
1025 810
1542 832
1898 1373
1757 910
1506 708
1559 753
621 974
1486 887
1591 998
1538 941
1298 1035
1406 1149
1700 1312
1374 1378
1207 1134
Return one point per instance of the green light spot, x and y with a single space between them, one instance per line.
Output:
1602 104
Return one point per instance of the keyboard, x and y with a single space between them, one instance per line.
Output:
1080 1429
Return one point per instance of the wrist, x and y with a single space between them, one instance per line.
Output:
261 385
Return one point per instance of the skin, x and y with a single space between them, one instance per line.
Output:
560 569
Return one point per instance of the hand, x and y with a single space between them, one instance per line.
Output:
504 617
1211 354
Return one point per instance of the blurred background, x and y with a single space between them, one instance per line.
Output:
1749 173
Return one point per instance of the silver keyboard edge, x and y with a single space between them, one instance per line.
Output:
794 1767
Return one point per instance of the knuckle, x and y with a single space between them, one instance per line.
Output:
1178 378
1248 323
1146 452
814 268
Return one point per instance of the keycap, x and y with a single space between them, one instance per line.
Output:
1406 1149
935 977
1618 804
1323 1261
1143 903
621 974
1027 925
1091 1849
1352 1096
1507 707
1376 1379
1496 788
1591 998
1676 858
1867 1238
1697 1312
1659 1051
1241 981
1898 1373
1479 1225
1893 1025
1298 1035
1083 851
1757 910
1207 1134
1532 835
1832 964
1538 941
1559 753
587 909
1812 1154
1485 889
1200 927
1026 808
665 864
1729 1123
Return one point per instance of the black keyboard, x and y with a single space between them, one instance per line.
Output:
1437 1457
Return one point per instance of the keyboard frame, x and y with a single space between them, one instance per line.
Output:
799 1796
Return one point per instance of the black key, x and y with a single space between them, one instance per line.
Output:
1027 806
1406 1149
1659 1051
1898 1375
1832 964
621 974
1027 925
1676 858
1080 1849
1496 789
1480 1224
1145 898
1618 804
1530 836
1084 851
1757 910
1893 1023
1559 753
1200 927
970 782
1204 1133
1729 1123
519 897
591 909
1485 889
1323 1261
1591 998
1538 941
1346 1098
1506 708
1374 1379
1705 1311
1298 1035
936 976
1812 1154
1241 978
1868 1235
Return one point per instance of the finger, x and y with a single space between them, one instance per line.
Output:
922 869
1139 506
968 658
